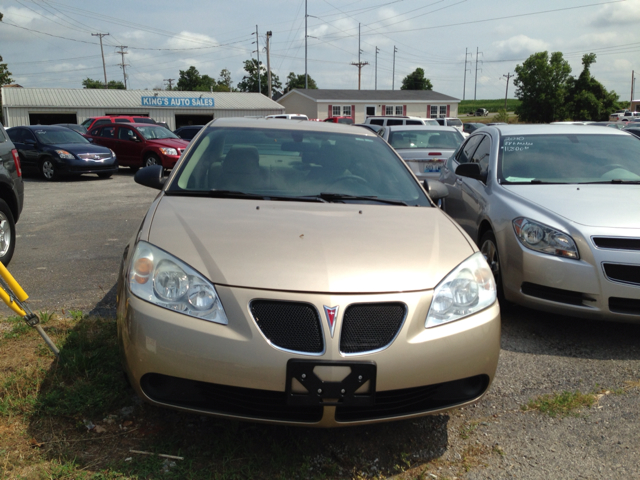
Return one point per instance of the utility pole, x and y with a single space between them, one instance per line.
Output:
359 64
123 65
376 74
269 63
104 67
633 84
464 85
475 88
507 76
257 42
169 81
393 78
306 75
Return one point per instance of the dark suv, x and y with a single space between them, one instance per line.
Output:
11 196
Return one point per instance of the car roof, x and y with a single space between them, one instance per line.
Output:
302 125
551 129
44 127
431 128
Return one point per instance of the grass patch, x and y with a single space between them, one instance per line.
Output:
561 404
493 106
15 327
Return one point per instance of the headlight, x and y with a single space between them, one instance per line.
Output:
65 154
544 239
113 154
169 151
466 290
162 279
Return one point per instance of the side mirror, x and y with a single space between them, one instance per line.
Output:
151 176
471 170
436 189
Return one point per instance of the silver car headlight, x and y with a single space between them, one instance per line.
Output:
469 288
160 278
544 239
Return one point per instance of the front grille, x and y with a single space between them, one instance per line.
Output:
226 400
629 306
555 294
370 326
94 156
622 273
395 403
289 325
617 243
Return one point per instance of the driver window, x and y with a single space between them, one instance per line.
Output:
466 152
126 134
481 154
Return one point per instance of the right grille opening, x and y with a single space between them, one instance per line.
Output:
617 243
629 306
553 294
370 326
289 325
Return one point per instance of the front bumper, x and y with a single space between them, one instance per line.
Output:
108 165
193 365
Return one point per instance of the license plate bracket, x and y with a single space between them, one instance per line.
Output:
320 392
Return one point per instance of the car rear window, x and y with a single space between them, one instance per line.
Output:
425 139
295 163
454 122
569 158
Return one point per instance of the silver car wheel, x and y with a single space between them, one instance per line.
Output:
490 253
48 170
5 234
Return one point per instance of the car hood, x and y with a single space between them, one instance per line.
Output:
78 148
592 205
422 153
310 247
168 142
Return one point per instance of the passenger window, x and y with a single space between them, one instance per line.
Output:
377 121
391 122
108 132
466 152
481 154
414 122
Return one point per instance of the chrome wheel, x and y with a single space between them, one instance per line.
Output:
151 160
490 253
5 234
48 170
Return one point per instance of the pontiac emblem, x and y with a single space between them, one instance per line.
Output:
332 314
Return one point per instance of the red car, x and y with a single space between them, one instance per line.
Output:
92 122
140 145
346 120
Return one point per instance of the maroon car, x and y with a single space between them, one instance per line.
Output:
140 145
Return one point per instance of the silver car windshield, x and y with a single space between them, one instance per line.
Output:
295 164
425 139
560 158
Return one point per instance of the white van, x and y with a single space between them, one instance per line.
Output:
399 120
289 116
450 122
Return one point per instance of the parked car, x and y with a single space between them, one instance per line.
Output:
93 122
633 130
266 283
370 126
556 211
481 112
346 120
397 120
450 122
81 129
140 145
424 148
617 125
471 127
11 196
289 116
56 151
188 131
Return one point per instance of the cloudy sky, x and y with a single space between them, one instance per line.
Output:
49 43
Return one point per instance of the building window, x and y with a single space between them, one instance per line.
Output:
399 110
443 111
434 111
388 110
346 111
341 110
335 110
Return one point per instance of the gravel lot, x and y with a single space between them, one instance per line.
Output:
70 240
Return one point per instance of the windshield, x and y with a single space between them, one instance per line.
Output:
155 132
57 137
296 164
400 139
559 158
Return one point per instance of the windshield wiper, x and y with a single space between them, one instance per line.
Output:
615 180
333 197
281 198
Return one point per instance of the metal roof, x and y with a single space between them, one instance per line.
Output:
379 96
91 98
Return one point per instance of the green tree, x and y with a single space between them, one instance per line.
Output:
588 99
416 81
112 84
5 77
225 79
249 82
541 86
297 81
190 80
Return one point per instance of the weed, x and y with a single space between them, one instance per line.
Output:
77 315
18 327
498 450
468 429
563 404
45 317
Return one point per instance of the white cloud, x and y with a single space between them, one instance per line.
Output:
617 14
519 46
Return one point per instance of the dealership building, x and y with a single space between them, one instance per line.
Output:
47 106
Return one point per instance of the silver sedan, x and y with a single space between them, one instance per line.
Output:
556 211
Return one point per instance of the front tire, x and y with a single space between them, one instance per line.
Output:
49 170
489 248
151 160
7 233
